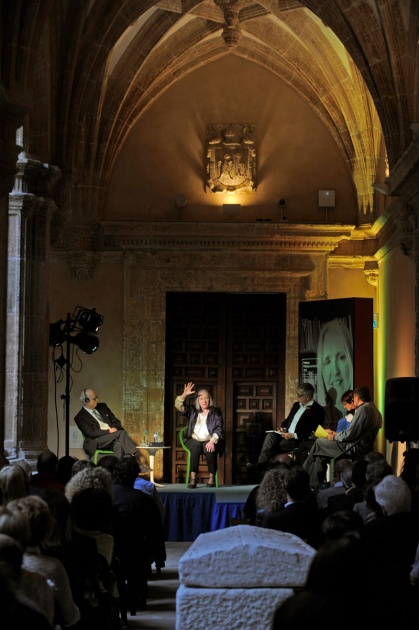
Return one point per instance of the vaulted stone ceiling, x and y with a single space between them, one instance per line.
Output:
353 61
348 60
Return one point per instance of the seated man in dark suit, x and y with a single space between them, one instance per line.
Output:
101 429
305 416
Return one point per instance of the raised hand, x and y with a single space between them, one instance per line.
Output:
188 389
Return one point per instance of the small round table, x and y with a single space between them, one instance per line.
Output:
152 450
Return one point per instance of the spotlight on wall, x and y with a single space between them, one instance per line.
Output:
181 201
231 209
326 198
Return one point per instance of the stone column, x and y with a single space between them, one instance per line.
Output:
30 211
11 117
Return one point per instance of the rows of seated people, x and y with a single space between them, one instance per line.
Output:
77 542
364 525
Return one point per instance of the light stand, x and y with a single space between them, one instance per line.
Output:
78 329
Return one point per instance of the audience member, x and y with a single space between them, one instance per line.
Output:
13 483
139 534
94 477
16 612
341 522
34 589
249 511
64 468
368 508
359 437
81 464
271 495
336 485
305 416
353 479
299 515
409 471
46 476
391 542
92 517
373 456
25 466
319 602
40 520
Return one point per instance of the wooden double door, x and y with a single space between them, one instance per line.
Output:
234 346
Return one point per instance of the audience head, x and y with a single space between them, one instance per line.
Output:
126 471
410 468
359 473
13 484
346 475
47 462
393 495
81 464
15 524
341 522
368 495
37 512
345 552
109 462
339 466
373 456
271 495
24 465
97 478
64 468
378 470
282 459
297 484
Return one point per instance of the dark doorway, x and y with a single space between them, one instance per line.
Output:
233 345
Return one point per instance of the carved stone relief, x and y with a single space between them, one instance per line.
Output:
231 158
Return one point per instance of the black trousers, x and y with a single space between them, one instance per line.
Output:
197 449
119 442
274 444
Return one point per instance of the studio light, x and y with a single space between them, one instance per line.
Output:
79 329
89 320
86 341
57 335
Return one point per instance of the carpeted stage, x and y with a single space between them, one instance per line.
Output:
193 512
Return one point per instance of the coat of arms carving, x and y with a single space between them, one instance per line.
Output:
231 158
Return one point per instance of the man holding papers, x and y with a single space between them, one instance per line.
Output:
360 435
305 416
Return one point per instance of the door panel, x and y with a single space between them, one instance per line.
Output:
234 346
255 406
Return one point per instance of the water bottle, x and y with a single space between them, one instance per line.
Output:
156 436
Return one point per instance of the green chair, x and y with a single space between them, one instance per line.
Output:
100 451
182 437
